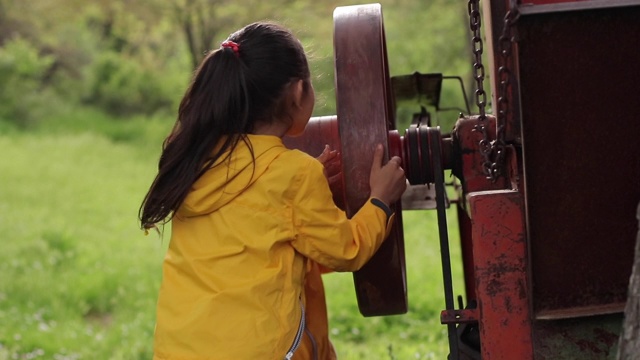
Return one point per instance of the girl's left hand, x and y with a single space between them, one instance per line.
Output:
332 164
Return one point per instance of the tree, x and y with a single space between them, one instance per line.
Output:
629 344
203 21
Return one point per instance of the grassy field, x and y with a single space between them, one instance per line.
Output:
78 279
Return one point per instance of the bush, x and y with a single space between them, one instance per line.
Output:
22 94
122 86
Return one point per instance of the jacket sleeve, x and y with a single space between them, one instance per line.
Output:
325 234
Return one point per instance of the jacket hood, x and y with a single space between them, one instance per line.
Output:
229 178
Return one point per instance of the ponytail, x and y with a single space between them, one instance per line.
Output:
190 149
233 88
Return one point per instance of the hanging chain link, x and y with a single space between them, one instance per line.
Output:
493 152
477 48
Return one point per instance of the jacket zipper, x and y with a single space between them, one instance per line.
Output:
314 346
298 338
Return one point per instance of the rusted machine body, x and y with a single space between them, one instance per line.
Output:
548 185
576 145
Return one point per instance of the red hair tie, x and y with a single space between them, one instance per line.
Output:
231 45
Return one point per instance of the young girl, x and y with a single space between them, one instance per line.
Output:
253 223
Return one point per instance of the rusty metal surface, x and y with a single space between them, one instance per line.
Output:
364 119
467 161
466 249
462 316
418 87
365 116
539 6
414 149
363 100
578 82
500 260
588 338
494 13
320 131
546 2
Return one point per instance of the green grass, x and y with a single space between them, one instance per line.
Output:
78 280
77 277
415 335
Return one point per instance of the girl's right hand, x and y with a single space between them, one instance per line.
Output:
388 181
330 159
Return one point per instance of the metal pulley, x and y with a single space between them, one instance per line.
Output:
365 117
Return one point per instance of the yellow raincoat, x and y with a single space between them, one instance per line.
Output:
246 251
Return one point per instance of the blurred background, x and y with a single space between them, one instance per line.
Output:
89 89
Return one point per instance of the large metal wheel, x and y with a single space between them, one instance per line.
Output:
365 116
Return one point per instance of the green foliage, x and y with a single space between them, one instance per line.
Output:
135 58
77 279
145 132
123 86
21 72
72 282
422 36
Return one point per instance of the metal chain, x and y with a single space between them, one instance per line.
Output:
505 43
477 48
492 151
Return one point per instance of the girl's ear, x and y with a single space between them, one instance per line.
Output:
297 92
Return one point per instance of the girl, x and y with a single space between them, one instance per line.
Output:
253 222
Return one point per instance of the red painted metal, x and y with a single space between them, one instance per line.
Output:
494 248
321 131
500 259
364 119
466 249
573 117
494 13
396 147
414 148
365 116
547 2
528 7
581 188
363 104
468 161
574 4
568 188
463 316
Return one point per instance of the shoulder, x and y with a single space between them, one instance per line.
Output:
301 170
299 161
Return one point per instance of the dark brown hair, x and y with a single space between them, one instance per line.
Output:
230 92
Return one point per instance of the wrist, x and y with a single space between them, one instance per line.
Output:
382 205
